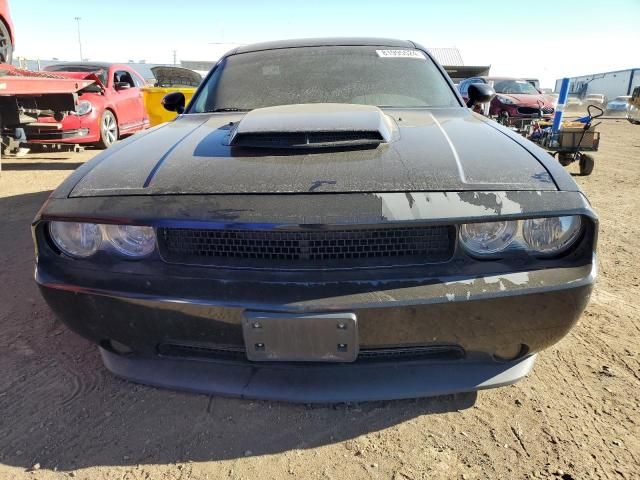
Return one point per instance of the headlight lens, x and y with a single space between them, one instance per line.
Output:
131 240
488 237
78 240
505 100
551 235
83 107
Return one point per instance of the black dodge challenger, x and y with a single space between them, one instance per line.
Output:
325 221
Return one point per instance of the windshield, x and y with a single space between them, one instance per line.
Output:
366 75
100 72
519 87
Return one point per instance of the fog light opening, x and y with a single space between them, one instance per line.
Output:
506 356
115 346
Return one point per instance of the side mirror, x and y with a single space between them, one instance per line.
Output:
479 93
121 86
174 102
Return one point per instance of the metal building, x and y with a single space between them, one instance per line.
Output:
611 84
451 61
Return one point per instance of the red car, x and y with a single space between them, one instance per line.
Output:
6 33
110 108
516 99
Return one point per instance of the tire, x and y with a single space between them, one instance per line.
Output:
6 46
565 159
586 164
108 130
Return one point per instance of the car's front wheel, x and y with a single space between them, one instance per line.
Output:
108 130
6 45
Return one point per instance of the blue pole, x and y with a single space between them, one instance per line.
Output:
562 100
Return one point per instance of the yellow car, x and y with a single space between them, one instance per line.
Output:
168 79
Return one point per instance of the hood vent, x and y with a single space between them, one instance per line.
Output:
307 139
322 125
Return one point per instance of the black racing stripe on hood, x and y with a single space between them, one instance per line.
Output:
157 166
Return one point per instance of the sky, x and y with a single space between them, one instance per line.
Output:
535 39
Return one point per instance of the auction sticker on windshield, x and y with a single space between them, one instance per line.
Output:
401 54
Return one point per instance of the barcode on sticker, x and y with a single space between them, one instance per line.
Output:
401 54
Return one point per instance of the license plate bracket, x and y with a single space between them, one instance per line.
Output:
323 337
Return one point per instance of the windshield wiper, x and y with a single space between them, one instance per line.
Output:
227 109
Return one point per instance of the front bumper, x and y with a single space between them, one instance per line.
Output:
520 112
75 129
318 383
62 136
499 322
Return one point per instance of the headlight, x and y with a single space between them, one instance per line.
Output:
81 240
537 236
488 237
505 100
83 107
551 235
78 240
130 240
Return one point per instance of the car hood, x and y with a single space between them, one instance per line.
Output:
528 100
427 150
175 77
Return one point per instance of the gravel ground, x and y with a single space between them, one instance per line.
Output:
577 416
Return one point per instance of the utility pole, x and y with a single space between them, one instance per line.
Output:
77 19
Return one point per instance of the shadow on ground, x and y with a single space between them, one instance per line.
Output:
24 166
62 409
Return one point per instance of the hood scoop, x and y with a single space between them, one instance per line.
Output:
314 125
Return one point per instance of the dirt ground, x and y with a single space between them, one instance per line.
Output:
577 416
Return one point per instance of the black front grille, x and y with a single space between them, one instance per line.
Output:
307 139
366 354
205 352
341 248
534 110
427 352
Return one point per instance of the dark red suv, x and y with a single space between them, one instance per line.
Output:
516 99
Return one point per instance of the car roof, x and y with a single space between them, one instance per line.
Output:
324 42
502 78
96 65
